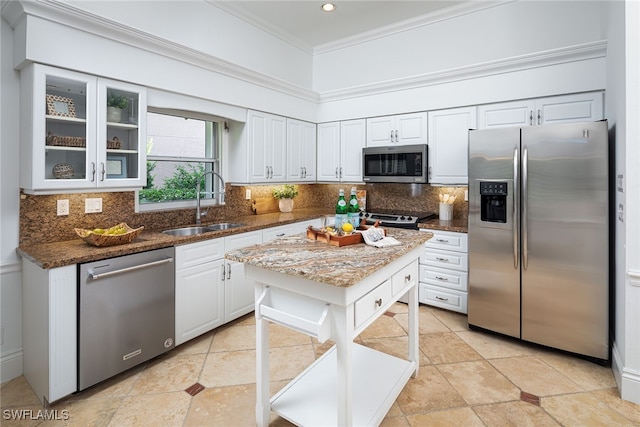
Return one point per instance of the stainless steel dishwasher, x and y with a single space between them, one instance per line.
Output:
126 313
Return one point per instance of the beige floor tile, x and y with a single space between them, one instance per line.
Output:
457 322
427 392
280 336
514 414
234 338
396 346
478 382
247 319
447 348
583 409
165 409
395 421
223 406
493 346
321 348
399 307
447 418
23 416
287 362
534 376
96 412
383 327
169 374
611 398
428 323
17 393
229 368
586 374
197 345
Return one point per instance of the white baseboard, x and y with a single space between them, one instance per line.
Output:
10 366
628 380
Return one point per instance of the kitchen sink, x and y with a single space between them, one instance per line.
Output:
199 229
224 225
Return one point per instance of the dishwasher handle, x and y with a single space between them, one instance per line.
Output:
96 276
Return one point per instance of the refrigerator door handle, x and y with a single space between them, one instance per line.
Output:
525 203
516 207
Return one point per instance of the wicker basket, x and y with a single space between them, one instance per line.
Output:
114 144
65 141
109 240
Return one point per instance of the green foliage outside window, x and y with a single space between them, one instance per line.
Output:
180 186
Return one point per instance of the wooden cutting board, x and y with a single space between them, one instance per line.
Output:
263 205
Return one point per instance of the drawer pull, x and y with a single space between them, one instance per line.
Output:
443 279
379 302
442 299
407 278
442 240
442 259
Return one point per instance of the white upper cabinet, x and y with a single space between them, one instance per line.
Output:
68 141
301 151
583 107
448 144
405 129
340 147
257 150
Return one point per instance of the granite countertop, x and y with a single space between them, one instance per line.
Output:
59 254
457 225
338 266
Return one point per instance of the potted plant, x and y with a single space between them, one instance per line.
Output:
115 104
285 195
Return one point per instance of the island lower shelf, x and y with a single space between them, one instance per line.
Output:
310 398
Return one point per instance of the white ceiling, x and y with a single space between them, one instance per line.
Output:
303 23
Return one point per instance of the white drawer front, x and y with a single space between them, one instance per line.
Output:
199 253
445 259
443 298
242 240
404 278
277 232
371 303
448 240
452 279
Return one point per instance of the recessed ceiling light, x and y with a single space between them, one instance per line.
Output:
328 7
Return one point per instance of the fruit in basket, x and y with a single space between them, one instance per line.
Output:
116 230
98 231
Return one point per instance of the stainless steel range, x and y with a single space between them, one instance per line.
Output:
397 219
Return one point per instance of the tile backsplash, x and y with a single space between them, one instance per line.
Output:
39 222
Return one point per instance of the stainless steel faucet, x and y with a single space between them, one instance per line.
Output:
199 214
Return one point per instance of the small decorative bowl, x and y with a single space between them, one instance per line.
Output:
97 239
62 171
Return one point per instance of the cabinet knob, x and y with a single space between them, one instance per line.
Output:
379 302
407 278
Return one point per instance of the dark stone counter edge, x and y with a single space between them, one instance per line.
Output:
60 254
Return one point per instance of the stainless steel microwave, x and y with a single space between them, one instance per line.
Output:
402 163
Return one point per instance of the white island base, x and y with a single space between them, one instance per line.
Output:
310 399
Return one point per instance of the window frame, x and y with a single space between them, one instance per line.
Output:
219 160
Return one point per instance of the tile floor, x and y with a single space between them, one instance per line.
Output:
466 378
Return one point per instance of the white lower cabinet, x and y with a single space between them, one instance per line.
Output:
444 270
49 330
288 229
210 290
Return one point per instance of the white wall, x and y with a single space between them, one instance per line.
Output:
623 110
201 26
10 277
510 30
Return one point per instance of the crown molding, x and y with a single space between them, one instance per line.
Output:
409 24
547 58
67 15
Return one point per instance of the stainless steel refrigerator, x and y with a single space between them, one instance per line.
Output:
538 235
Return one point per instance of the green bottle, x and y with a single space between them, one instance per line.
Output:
353 210
341 210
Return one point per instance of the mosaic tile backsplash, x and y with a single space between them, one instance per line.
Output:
39 222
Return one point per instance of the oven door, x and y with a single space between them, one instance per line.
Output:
402 164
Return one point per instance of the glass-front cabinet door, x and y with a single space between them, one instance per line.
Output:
121 134
58 129
68 141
